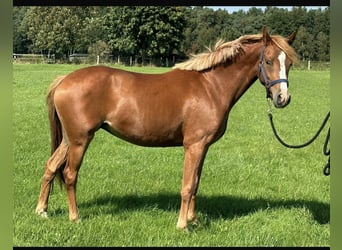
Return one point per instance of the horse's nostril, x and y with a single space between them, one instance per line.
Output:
279 98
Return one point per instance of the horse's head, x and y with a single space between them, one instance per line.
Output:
276 58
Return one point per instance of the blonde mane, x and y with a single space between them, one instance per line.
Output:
224 51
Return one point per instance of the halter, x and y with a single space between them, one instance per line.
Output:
268 83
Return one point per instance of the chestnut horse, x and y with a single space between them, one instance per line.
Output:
187 106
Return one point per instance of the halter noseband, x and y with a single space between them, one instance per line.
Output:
268 83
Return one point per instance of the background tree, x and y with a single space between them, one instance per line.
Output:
322 47
91 29
277 20
21 43
98 49
160 31
60 30
147 31
304 44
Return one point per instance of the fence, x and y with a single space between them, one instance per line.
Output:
33 58
78 58
312 65
170 61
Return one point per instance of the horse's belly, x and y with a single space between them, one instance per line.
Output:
146 136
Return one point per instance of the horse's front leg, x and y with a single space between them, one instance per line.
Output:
191 211
193 162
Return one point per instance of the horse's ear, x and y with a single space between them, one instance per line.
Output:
291 38
265 36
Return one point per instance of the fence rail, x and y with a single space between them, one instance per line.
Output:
33 58
79 58
170 61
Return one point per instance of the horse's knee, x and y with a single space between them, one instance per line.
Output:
48 175
187 193
69 177
185 198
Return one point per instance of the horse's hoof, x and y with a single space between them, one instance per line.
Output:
182 227
77 220
42 213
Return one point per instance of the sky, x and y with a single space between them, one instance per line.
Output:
231 9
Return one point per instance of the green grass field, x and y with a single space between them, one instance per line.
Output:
253 191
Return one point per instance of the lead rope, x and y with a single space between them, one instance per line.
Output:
326 151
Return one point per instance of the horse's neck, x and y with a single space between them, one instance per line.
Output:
232 79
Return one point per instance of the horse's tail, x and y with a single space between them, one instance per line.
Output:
56 132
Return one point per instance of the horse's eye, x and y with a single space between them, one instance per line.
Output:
268 62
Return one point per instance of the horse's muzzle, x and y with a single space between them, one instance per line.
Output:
280 101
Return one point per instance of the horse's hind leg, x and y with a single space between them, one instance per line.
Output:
54 162
77 150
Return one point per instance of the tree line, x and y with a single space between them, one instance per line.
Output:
160 31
